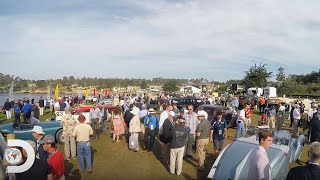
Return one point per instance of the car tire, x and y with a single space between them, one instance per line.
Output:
59 137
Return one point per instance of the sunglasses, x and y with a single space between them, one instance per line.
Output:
190 109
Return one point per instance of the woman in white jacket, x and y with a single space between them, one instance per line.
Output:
134 130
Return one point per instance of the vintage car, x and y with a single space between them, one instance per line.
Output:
3 146
233 161
86 108
23 131
212 109
195 102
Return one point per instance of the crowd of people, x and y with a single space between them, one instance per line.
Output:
181 132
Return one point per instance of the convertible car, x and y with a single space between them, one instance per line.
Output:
233 161
23 131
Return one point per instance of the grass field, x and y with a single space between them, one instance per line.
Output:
115 161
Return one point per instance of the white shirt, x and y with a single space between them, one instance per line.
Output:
57 105
311 112
242 114
296 113
95 113
259 166
163 116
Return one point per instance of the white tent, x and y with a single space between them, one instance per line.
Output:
190 89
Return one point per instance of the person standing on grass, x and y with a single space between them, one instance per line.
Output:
82 133
179 135
55 159
17 113
163 116
68 123
152 128
104 117
258 161
118 123
36 111
95 116
240 124
134 130
202 135
296 118
191 123
41 104
26 110
7 106
168 125
38 134
218 132
248 114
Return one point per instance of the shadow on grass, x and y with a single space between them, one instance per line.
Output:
69 174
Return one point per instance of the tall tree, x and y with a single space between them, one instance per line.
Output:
281 76
171 85
256 76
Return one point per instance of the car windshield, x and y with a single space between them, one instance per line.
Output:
34 121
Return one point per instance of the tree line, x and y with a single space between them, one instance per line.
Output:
256 76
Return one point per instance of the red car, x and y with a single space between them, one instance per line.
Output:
86 108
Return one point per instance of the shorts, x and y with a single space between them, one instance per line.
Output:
218 144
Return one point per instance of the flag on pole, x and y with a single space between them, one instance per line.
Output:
56 92
86 92
94 91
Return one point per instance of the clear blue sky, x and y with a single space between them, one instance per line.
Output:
213 39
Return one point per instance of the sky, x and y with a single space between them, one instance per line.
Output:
212 39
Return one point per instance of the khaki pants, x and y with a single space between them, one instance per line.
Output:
41 111
295 127
143 130
176 157
279 122
271 122
69 141
201 145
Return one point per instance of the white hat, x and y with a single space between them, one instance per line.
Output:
134 112
151 110
171 113
202 113
38 130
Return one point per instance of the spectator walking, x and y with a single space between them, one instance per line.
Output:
312 170
127 117
152 128
271 115
219 132
68 123
241 124
259 163
134 130
104 117
248 114
118 123
82 133
296 118
55 159
179 135
280 116
38 134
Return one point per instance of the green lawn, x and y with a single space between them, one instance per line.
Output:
115 161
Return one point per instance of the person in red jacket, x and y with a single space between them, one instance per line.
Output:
55 160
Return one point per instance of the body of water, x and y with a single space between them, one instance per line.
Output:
5 96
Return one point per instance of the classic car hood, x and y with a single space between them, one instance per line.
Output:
7 128
231 165
48 124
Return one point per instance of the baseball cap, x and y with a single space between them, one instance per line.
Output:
37 129
81 118
47 139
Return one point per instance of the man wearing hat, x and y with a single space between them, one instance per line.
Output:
202 134
38 134
168 125
82 133
55 159
152 128
179 136
218 132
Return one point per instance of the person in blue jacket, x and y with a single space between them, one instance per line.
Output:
152 127
26 110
